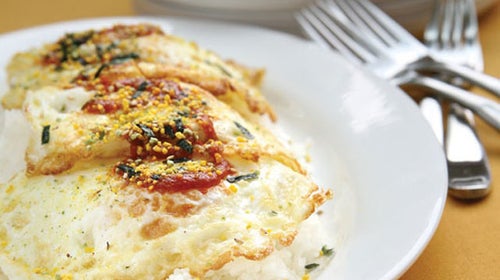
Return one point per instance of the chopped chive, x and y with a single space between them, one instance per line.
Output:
220 67
246 177
169 131
185 145
102 134
224 70
46 134
244 131
122 58
111 46
183 113
179 160
311 266
127 169
147 131
326 252
179 125
143 86
77 41
99 70
65 51
136 94
98 50
140 89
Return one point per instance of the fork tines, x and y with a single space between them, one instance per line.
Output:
355 28
325 22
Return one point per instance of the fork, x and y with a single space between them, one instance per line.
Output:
452 35
384 48
368 16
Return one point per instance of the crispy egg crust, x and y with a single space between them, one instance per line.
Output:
143 165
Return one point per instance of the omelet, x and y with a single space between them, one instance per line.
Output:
134 173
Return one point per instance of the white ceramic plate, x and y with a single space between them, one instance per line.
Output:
279 14
368 139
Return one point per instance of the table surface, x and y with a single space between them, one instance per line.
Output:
466 244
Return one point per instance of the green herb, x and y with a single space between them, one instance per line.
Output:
224 70
185 145
123 57
99 70
179 125
143 86
183 113
101 135
273 213
131 172
98 51
112 46
65 51
140 89
220 67
136 94
326 252
311 266
77 41
179 160
69 46
244 131
246 177
169 131
147 131
46 134
155 177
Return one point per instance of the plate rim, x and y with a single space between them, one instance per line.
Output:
404 262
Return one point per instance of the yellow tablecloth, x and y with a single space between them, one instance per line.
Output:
467 242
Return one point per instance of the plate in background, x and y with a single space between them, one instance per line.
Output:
279 14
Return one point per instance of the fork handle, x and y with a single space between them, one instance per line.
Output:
474 77
485 108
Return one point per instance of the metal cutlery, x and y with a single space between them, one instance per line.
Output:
468 175
452 35
365 35
368 16
430 107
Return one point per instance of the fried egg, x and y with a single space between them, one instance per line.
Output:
134 172
89 53
84 223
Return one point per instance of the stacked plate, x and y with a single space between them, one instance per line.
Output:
279 14
275 14
414 14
